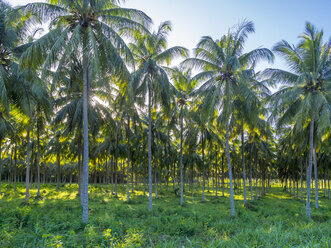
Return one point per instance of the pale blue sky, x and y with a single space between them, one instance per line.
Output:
274 19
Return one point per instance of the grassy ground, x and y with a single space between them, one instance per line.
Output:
276 220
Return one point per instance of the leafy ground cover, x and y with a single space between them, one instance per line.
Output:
275 220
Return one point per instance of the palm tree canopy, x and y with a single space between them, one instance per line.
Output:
226 68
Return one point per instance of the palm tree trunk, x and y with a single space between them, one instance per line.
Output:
311 148
316 178
132 178
192 179
122 173
150 189
15 166
203 169
79 170
85 134
116 164
181 158
223 186
58 171
144 182
325 170
256 185
27 178
81 176
243 160
128 168
216 177
38 164
0 166
107 174
112 174
233 213
250 180
173 172
301 180
256 177
329 187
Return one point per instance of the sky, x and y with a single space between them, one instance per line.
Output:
274 20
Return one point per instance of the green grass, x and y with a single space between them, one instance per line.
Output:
276 220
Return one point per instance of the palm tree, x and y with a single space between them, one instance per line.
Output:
41 114
200 120
305 98
184 85
224 75
6 128
125 100
151 52
89 29
247 112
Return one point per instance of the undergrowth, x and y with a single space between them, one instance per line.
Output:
275 220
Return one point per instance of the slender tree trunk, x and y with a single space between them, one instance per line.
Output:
223 185
173 170
85 134
112 162
311 148
216 177
169 157
0 165
203 170
27 179
150 189
192 179
128 168
329 187
107 174
132 177
233 213
301 180
181 158
250 180
325 170
145 175
256 185
58 172
256 177
116 164
122 173
243 160
316 178
38 162
15 167
80 170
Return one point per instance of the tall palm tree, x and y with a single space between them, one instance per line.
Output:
224 73
151 53
6 128
90 29
305 97
184 85
14 87
247 112
42 109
